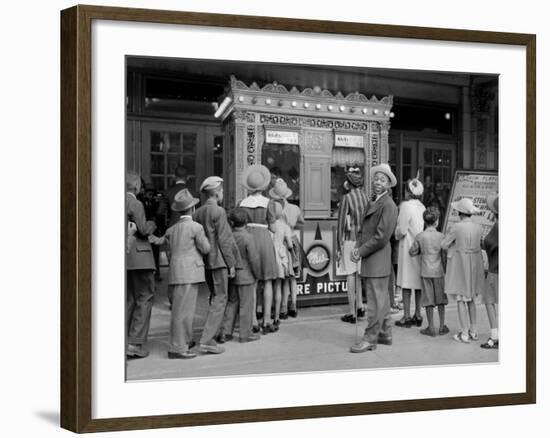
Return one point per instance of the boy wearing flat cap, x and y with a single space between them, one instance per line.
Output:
219 262
186 243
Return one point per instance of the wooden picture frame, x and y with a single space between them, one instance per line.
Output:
76 218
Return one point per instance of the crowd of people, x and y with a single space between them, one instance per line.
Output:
251 259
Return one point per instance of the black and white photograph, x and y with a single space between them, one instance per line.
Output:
295 218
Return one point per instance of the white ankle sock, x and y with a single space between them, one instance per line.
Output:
494 334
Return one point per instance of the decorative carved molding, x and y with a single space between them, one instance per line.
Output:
313 122
318 141
481 99
277 88
251 144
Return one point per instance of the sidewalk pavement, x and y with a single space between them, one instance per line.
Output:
315 341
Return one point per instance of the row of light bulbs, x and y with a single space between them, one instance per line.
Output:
318 106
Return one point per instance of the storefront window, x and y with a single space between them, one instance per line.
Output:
342 158
283 161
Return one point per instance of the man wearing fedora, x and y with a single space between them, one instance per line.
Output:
374 250
219 262
140 266
350 215
187 243
489 297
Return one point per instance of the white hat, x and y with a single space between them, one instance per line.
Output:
256 177
415 187
211 183
386 170
465 205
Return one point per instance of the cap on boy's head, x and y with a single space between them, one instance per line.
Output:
211 183
238 217
430 215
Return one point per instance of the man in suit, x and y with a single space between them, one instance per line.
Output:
140 267
374 250
219 262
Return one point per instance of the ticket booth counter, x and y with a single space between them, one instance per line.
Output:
308 138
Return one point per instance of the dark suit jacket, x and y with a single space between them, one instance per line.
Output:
248 264
140 254
213 219
374 239
173 216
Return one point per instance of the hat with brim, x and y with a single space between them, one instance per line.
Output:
255 177
386 170
492 202
465 205
184 201
280 190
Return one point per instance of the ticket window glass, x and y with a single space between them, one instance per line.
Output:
342 158
283 161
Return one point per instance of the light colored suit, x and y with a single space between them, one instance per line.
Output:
187 243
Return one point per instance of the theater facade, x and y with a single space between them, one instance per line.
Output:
307 124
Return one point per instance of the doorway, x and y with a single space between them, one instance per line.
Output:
165 146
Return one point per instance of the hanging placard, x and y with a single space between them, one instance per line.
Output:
281 137
349 141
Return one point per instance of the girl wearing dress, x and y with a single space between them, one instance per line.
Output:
282 240
261 219
465 273
293 217
409 224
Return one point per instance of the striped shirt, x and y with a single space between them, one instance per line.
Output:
353 206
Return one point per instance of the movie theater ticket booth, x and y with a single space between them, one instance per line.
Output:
308 138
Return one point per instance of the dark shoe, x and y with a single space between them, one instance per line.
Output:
444 330
361 313
362 346
192 344
268 328
490 344
220 339
283 316
292 313
385 340
416 320
185 355
428 332
277 323
348 317
255 329
212 348
404 322
253 337
136 350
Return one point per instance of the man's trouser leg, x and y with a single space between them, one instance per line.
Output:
246 309
378 309
184 298
218 293
139 303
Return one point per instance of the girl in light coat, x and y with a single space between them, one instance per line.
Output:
464 278
409 224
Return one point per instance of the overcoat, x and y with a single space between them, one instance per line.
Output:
409 224
187 243
140 253
373 241
222 244
465 274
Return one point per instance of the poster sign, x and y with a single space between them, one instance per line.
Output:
281 137
476 185
350 141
